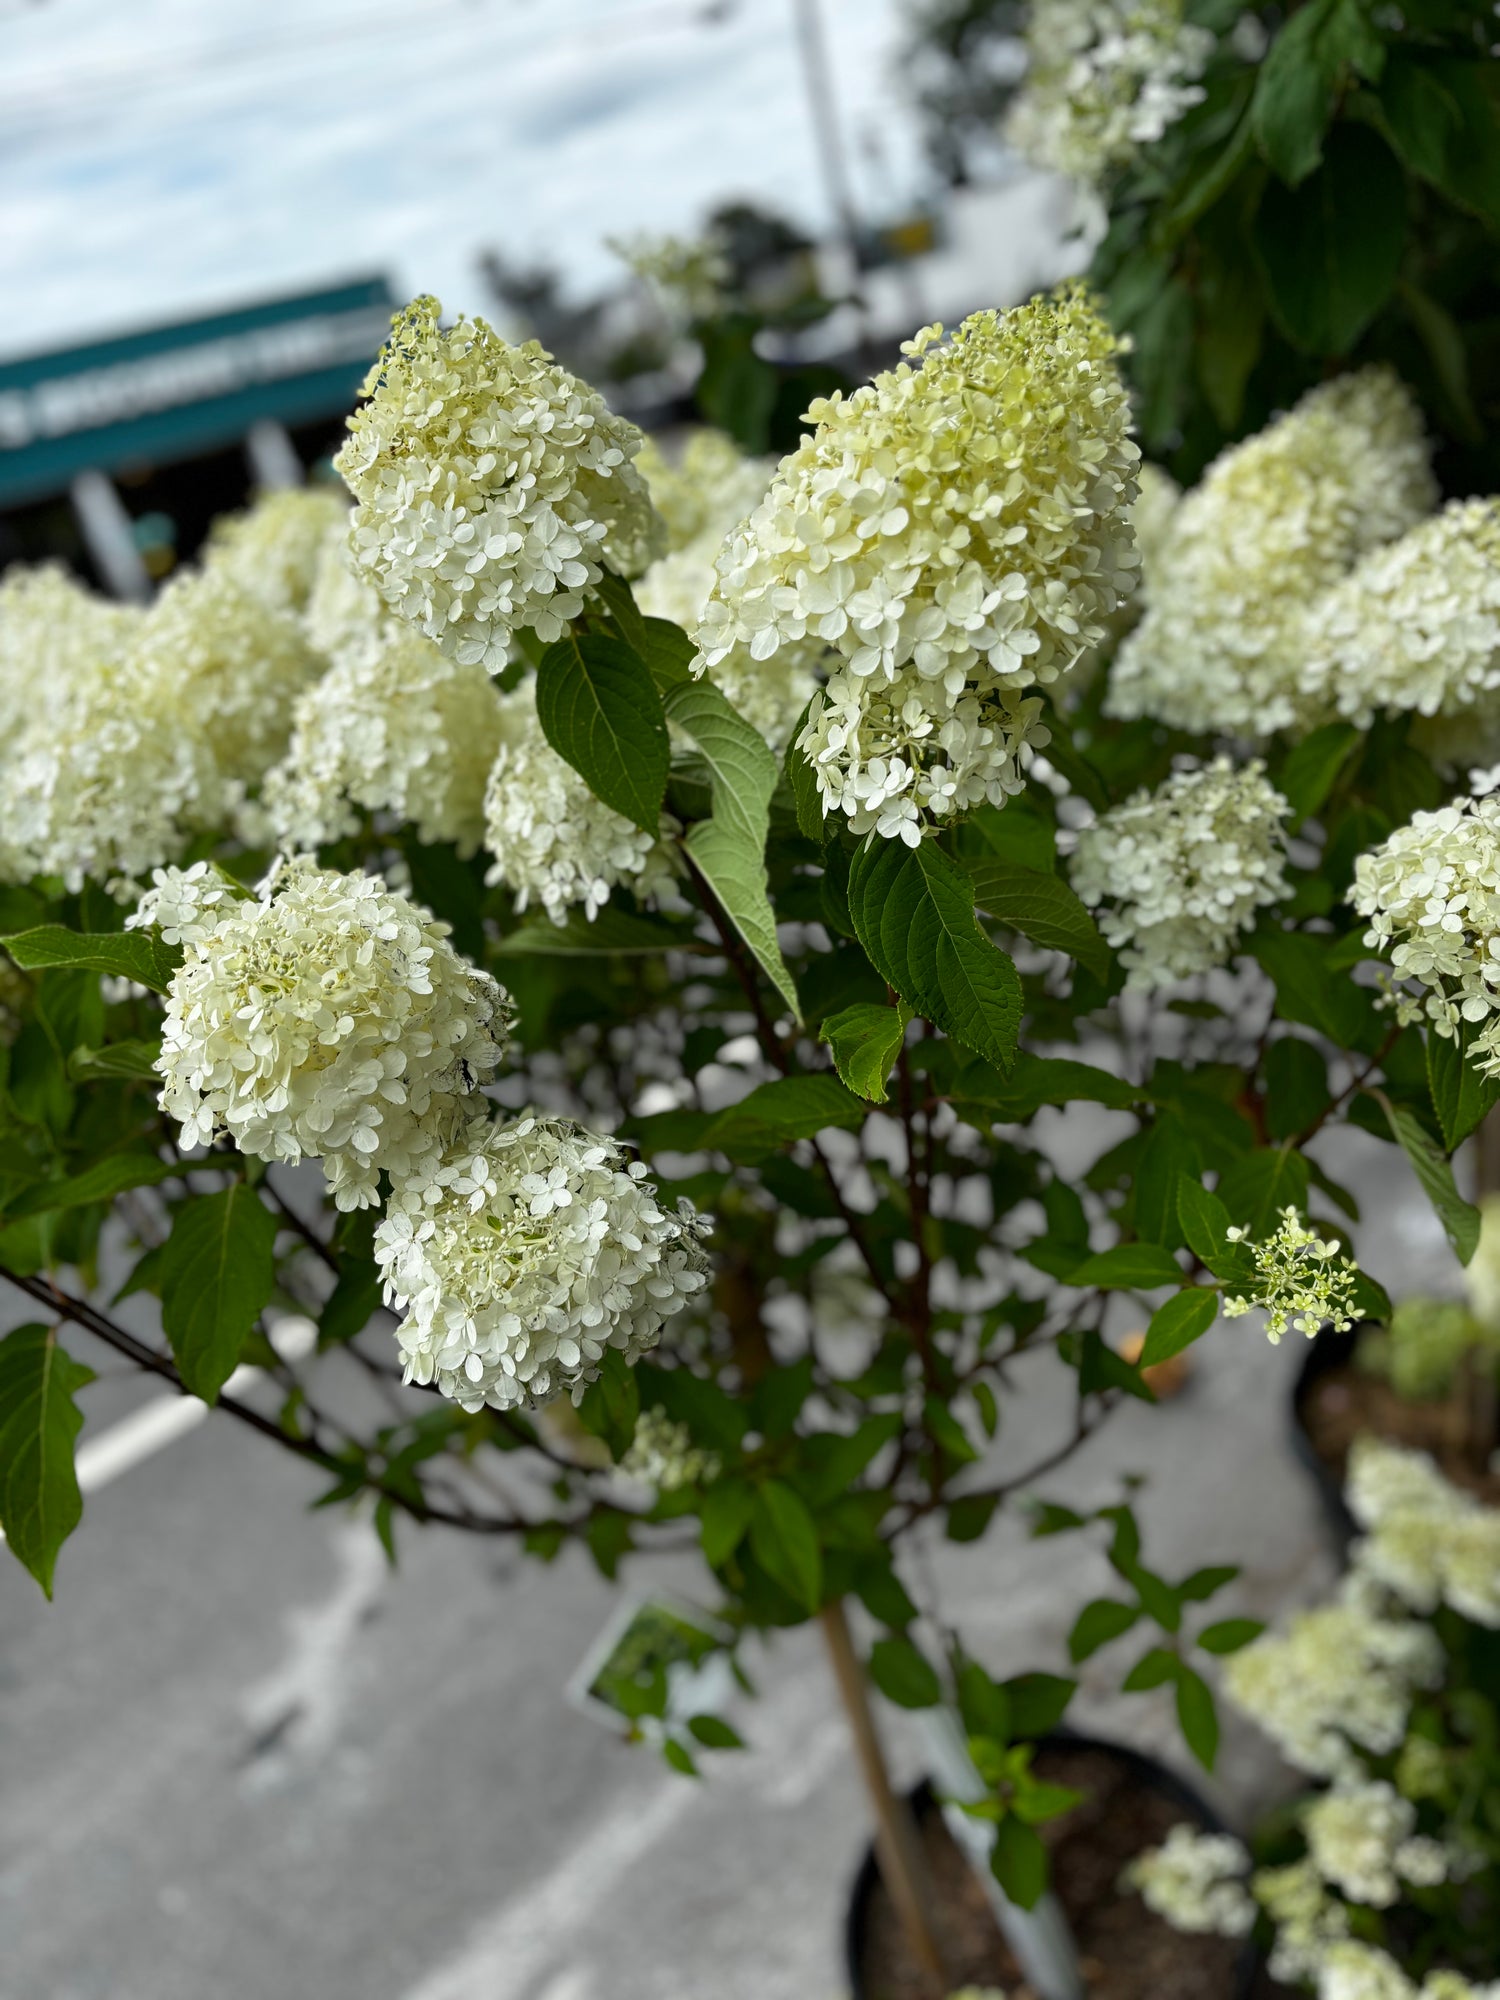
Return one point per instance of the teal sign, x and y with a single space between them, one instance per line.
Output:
174 392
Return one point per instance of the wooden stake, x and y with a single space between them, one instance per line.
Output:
896 1845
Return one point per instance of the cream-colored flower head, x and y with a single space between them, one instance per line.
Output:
1431 893
554 842
1274 523
230 669
1196 1881
526 1255
343 608
953 532
662 1455
491 486
272 549
1181 872
326 1016
709 487
395 726
52 631
1426 1540
1301 1279
1103 79
1415 629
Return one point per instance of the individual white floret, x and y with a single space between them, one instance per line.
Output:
395 726
1196 1881
1181 872
954 532
492 487
1432 895
525 1256
554 842
1103 79
1274 523
328 1017
272 549
182 905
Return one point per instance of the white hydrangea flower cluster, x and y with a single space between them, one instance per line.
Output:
395 726
183 905
1309 1922
1181 871
1103 79
1275 523
955 531
1432 894
273 549
1196 1881
1362 1839
662 1454
1301 1279
342 609
1351 1970
554 842
690 273
709 487
492 487
1415 628
1341 1675
524 1256
326 1016
229 668
1427 1541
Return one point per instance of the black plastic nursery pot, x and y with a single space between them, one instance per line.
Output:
1125 1952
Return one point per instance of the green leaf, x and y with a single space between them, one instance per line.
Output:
1042 908
1097 1624
679 1757
668 652
217 1274
1294 91
1259 1185
1018 1861
1230 1634
1459 1218
784 1541
612 932
865 1041
1156 1666
1037 1080
1129 1267
40 1504
137 955
1169 1155
618 600
1100 1368
118 1059
1197 1717
1313 765
599 709
1038 1702
1440 113
913 912
729 850
1331 250
970 1516
1178 1323
1460 1095
777 1113
610 1405
101 1182
1206 1583
1296 1086
724 1518
903 1675
807 800
714 1733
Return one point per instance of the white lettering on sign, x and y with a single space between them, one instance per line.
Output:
97 397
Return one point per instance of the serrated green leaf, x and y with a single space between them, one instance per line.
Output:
1129 1267
1459 1218
1178 1323
625 614
1197 1717
729 850
1018 1861
217 1274
913 912
101 1182
903 1675
1331 250
802 779
1153 1669
1034 1081
40 1505
1041 907
116 1060
1460 1095
724 1518
784 1540
599 709
137 955
613 931
1294 91
1312 765
777 1113
865 1041
1038 1702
